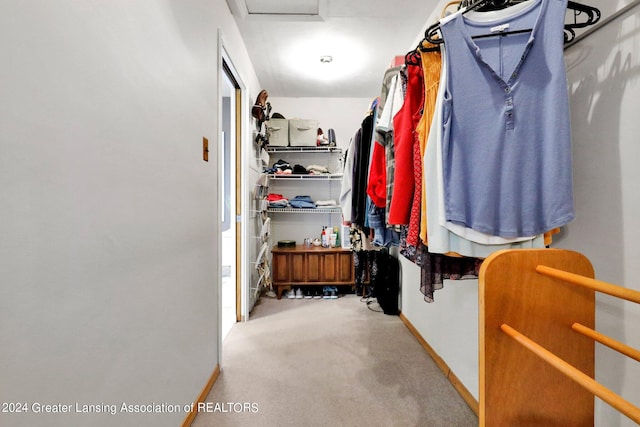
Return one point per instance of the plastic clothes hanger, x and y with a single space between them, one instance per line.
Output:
592 16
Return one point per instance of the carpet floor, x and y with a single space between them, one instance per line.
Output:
309 362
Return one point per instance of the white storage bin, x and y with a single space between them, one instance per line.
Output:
303 132
278 132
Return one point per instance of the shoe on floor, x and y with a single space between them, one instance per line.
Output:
317 295
307 295
298 293
290 293
326 292
333 292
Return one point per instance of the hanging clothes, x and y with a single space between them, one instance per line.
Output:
376 191
384 127
476 143
404 125
506 138
362 158
436 268
413 230
377 185
431 67
441 239
381 171
346 184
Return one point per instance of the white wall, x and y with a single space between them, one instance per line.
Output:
604 76
344 115
449 324
109 219
605 92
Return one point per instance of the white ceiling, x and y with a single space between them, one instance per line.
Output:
286 38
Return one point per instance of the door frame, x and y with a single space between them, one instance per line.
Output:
225 66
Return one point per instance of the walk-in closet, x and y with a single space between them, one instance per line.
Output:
320 212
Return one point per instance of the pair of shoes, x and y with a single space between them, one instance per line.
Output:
259 110
293 293
330 292
326 293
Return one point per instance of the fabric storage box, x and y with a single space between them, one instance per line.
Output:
303 132
278 132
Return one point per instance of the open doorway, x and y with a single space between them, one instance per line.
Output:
230 206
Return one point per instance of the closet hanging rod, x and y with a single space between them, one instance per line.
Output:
601 24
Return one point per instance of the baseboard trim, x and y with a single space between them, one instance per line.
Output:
453 379
201 397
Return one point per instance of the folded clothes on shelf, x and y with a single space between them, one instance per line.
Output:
276 200
317 169
300 170
284 203
302 202
326 203
279 167
275 196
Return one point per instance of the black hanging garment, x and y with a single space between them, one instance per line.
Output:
361 267
385 281
362 141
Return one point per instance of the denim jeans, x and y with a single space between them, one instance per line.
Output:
302 202
382 236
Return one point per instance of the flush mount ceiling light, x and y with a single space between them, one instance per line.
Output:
326 59
305 57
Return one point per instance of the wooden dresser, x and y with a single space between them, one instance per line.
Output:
301 265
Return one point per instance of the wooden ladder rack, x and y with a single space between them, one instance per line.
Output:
537 340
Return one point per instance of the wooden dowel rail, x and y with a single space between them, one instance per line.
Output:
596 285
628 409
608 341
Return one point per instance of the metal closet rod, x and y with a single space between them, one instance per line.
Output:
601 24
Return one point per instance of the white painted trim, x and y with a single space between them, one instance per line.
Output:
238 8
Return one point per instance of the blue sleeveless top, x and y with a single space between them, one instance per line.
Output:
506 125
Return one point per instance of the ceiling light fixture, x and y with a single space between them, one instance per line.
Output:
326 59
